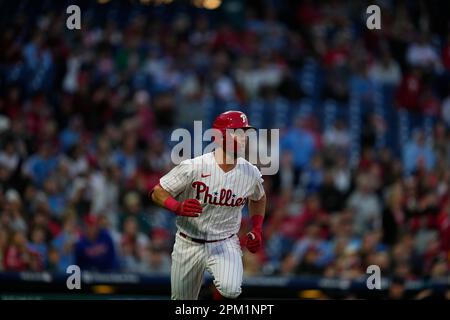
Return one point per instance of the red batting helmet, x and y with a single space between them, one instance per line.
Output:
231 120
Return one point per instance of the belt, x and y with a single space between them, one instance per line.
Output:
201 240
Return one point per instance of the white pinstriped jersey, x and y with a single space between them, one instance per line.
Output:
221 194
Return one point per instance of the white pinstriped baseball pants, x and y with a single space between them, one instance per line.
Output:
222 259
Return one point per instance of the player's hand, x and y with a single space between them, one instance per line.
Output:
189 208
243 241
254 241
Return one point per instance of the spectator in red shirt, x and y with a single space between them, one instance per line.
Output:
409 91
308 13
226 37
13 106
338 54
446 54
312 212
17 256
444 227
429 102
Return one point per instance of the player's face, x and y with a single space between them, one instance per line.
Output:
236 142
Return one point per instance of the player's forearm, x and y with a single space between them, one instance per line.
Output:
254 237
188 208
159 196
257 211
257 207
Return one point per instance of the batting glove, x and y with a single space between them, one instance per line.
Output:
186 208
254 237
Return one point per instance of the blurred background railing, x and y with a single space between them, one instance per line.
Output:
32 285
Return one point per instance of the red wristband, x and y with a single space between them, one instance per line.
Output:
257 221
171 204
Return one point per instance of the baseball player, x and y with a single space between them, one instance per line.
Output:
207 194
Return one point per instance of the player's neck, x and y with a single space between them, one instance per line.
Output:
225 161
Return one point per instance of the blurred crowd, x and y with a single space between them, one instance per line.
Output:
86 116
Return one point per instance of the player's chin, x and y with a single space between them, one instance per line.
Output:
232 152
